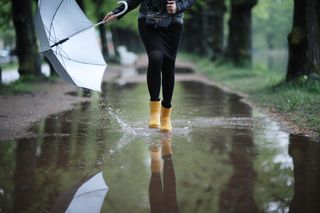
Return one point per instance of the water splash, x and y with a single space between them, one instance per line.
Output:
133 129
124 126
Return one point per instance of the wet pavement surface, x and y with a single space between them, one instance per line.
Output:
222 156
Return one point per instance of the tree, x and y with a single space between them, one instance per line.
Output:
7 33
26 45
193 39
97 9
215 19
240 33
100 13
270 25
304 40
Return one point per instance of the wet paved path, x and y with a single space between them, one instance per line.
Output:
222 156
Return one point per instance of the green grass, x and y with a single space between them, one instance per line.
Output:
8 66
298 101
26 84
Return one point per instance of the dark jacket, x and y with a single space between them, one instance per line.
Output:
182 5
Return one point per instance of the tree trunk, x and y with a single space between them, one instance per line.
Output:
192 37
304 40
98 4
215 18
115 36
239 49
26 45
103 39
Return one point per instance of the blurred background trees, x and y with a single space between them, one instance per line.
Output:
239 49
304 40
26 45
242 32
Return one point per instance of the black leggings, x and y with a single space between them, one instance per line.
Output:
160 64
161 45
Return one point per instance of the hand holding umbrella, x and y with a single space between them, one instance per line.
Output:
110 17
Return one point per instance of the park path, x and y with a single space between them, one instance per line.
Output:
222 156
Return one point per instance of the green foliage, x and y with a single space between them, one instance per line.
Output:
271 19
5 11
272 23
8 66
26 84
95 7
6 26
299 100
248 80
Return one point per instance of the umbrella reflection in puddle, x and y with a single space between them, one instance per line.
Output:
84 197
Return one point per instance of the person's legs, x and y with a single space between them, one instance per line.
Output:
153 46
161 45
154 74
154 84
168 79
152 43
168 66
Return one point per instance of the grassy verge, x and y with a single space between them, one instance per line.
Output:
298 102
26 84
8 66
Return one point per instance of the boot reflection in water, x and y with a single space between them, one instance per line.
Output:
163 199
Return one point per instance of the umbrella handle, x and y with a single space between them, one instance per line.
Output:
124 10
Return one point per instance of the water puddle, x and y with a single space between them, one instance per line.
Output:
221 157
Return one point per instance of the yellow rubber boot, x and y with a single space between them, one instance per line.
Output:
166 147
155 153
154 121
165 120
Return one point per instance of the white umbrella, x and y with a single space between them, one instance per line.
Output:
90 196
68 39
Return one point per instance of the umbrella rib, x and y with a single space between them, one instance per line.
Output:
69 58
54 36
91 192
51 38
102 22
81 62
61 56
66 54
54 15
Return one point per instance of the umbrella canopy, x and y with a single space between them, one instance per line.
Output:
90 196
84 197
75 56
